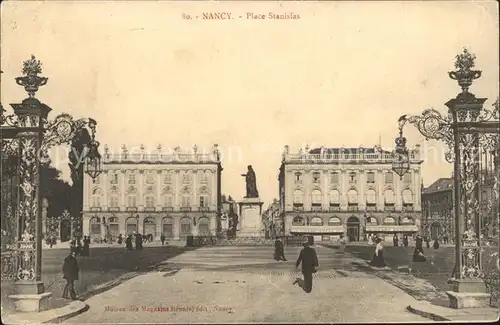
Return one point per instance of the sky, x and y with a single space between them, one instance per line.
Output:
341 75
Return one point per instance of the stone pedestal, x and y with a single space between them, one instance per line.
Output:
468 293
250 218
32 302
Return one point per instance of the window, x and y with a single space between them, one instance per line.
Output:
150 201
352 177
131 178
150 177
371 197
334 221
297 177
204 178
113 201
297 197
186 201
167 178
132 200
389 197
352 197
204 227
316 177
96 198
388 177
114 178
407 178
298 221
316 198
316 221
370 177
389 220
203 201
186 178
334 197
334 178
168 200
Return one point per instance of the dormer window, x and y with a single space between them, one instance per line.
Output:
389 177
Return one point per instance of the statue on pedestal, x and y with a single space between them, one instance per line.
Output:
251 183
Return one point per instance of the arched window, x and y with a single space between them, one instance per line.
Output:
407 220
352 196
298 221
316 197
131 225
334 197
149 226
168 227
407 196
316 221
96 197
389 221
95 227
185 227
113 226
204 226
389 197
371 197
371 221
334 221
298 197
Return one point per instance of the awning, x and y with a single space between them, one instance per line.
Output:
317 229
395 228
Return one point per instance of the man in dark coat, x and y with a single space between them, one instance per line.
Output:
70 273
138 241
128 243
279 250
309 260
395 240
162 238
405 240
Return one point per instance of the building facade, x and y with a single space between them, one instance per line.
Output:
175 194
438 216
348 191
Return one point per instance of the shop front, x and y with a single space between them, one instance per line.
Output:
319 233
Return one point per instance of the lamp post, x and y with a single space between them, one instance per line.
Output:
29 135
469 130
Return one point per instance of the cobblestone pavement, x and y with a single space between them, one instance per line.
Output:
190 296
230 284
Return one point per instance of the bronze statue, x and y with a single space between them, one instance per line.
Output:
251 183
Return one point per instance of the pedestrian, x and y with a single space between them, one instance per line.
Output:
162 238
78 246
436 244
342 244
370 240
281 249
70 273
86 246
418 254
128 243
419 242
378 255
405 240
138 242
309 260
120 239
395 240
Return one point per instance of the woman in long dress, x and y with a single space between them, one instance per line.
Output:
378 256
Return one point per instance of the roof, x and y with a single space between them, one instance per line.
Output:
316 151
440 184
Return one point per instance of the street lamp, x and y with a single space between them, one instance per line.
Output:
469 130
30 135
401 158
